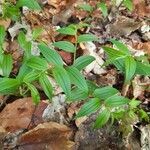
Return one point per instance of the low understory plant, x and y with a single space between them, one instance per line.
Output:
106 101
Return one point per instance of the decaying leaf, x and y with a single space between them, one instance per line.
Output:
123 26
90 49
17 115
47 136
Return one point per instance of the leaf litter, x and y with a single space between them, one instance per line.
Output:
41 124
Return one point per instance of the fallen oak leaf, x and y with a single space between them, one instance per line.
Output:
17 115
49 136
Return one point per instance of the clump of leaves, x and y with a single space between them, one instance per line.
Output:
107 101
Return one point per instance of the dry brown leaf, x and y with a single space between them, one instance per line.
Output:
47 136
142 46
123 26
2 134
17 115
5 23
141 8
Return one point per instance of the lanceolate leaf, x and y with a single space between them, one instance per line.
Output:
86 7
103 8
2 35
62 78
37 32
116 101
128 4
31 76
34 93
113 53
37 63
77 95
76 78
31 4
130 68
8 85
90 107
46 85
66 46
120 46
86 38
7 65
102 119
142 69
105 92
67 31
83 61
51 55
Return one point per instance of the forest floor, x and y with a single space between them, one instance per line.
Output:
51 125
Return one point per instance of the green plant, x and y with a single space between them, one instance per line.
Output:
125 62
12 11
107 101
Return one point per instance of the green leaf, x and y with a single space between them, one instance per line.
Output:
34 93
31 76
92 86
8 85
37 63
68 30
128 4
31 4
36 33
86 38
134 103
86 7
90 107
11 11
62 78
142 69
122 47
2 35
120 64
51 55
23 71
25 45
46 85
105 92
7 65
102 119
104 9
83 61
65 45
113 53
77 79
116 101
78 94
130 68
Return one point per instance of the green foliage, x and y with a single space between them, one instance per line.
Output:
105 92
86 38
51 55
86 7
32 4
83 61
102 119
46 85
107 102
90 107
63 79
65 45
103 8
128 4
